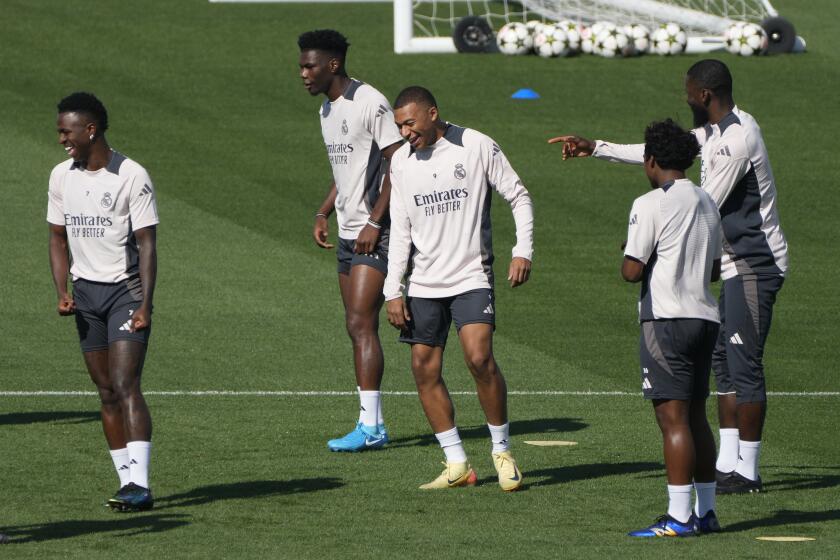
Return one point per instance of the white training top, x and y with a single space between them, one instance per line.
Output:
101 211
675 232
440 205
735 171
356 127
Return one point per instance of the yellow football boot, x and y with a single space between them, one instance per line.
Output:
454 475
510 477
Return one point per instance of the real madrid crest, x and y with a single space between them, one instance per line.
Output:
106 201
344 128
460 172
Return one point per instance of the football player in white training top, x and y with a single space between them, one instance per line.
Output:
102 212
735 171
442 180
360 136
674 246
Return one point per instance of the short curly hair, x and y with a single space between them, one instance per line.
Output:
670 145
83 102
328 40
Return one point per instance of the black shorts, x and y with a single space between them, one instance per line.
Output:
103 312
378 259
676 358
746 310
431 318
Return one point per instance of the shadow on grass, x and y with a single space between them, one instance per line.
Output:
246 491
781 481
572 473
785 517
119 526
64 416
517 428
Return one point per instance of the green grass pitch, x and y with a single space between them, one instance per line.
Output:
207 97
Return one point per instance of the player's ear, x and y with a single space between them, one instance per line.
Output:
335 64
433 113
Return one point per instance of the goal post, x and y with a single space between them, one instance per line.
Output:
404 40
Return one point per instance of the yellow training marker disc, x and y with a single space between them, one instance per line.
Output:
551 443
785 539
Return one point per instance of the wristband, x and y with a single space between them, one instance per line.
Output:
373 224
321 214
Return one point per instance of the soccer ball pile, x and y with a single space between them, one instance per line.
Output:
746 39
669 39
515 38
566 38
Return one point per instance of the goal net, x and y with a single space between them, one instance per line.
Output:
427 25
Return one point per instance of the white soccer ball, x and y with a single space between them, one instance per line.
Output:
588 35
552 41
513 38
573 31
534 26
612 42
669 39
746 39
639 36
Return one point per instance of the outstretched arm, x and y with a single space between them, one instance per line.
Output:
60 265
577 146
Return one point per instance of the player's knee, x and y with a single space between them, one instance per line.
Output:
426 369
108 397
360 325
481 365
126 387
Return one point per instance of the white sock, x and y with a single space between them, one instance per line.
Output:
679 502
450 441
120 458
368 408
728 455
138 455
705 498
499 436
748 459
380 421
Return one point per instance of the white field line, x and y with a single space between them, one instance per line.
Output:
388 393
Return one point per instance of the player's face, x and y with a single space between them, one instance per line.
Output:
698 99
317 69
74 132
417 124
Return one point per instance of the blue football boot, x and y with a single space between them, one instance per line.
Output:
384 433
360 439
132 497
667 526
708 523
